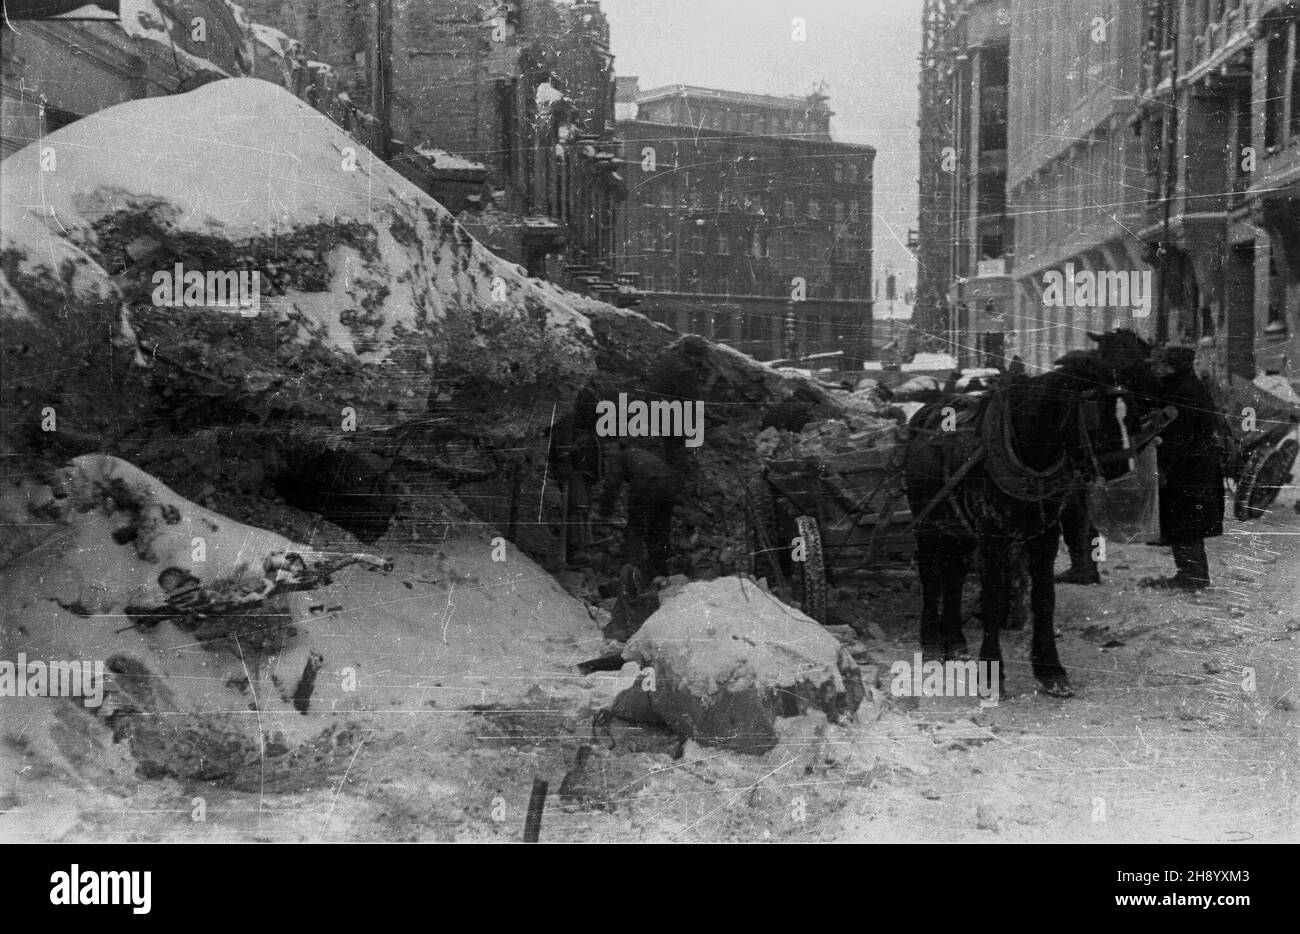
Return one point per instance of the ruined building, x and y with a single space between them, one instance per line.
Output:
746 223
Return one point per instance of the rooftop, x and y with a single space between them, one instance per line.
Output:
784 102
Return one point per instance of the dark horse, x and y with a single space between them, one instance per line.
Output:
997 470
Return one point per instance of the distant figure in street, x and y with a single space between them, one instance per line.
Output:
683 373
1017 369
1191 473
652 489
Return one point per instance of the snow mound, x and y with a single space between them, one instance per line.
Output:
213 675
240 174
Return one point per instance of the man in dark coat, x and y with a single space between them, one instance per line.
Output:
653 486
1191 473
685 372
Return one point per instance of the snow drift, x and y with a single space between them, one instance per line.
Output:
238 656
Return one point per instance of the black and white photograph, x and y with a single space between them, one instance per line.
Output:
651 421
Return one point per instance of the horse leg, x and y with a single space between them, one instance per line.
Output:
993 600
1047 664
955 568
929 561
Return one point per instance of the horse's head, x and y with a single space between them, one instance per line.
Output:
1127 358
1116 389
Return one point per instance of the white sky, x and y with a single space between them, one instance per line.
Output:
865 50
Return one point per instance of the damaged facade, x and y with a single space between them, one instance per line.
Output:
56 72
518 96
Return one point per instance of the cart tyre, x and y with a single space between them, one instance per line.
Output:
1262 479
810 573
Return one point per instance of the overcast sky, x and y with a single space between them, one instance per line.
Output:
865 50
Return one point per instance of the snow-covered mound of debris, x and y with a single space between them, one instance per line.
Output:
728 659
240 175
235 655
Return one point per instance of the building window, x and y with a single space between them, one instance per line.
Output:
839 210
697 240
853 173
838 172
724 244
814 209
787 207
853 212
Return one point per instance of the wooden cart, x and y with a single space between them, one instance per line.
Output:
812 519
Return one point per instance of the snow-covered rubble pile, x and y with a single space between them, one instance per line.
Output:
728 659
353 259
218 666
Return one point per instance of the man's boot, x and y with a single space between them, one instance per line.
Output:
1083 569
1080 574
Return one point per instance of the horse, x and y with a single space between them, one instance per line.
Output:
997 470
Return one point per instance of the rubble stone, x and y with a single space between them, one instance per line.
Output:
729 659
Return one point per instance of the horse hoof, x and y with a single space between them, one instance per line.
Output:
1056 687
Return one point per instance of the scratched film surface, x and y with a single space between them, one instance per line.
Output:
649 420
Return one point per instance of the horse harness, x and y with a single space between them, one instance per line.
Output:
993 448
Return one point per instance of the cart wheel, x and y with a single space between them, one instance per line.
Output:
810 573
1262 479
761 521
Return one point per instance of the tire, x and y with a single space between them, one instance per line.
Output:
810 573
1262 479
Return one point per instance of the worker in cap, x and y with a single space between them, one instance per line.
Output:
1191 471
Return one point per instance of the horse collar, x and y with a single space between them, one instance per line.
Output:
1005 468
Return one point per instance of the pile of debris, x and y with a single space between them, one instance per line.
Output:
835 441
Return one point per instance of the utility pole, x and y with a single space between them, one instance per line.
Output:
383 87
